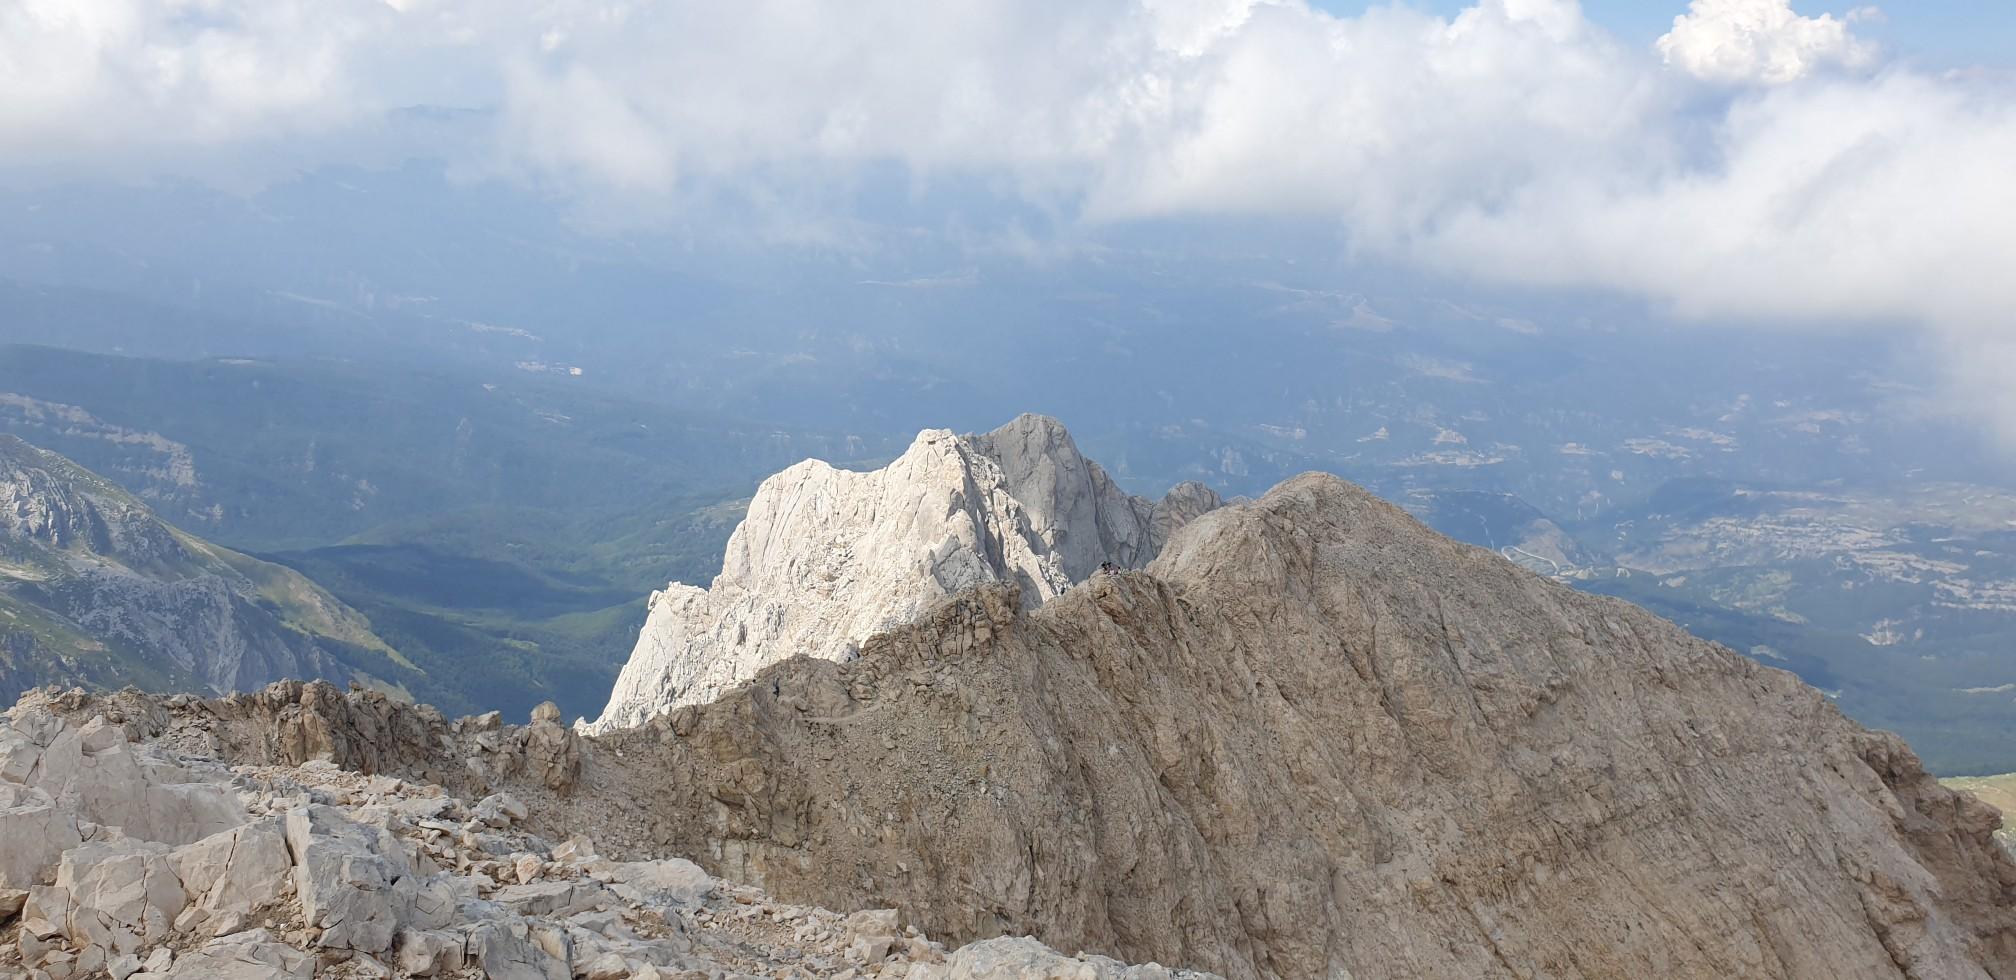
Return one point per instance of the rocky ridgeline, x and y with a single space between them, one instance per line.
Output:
1309 739
154 858
828 557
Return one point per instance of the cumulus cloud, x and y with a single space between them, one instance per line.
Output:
1736 41
92 79
1804 182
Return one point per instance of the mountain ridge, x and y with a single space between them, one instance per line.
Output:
1314 735
97 589
1312 738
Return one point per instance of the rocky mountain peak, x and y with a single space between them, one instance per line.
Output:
1311 739
827 557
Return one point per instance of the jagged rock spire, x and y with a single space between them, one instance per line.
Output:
826 557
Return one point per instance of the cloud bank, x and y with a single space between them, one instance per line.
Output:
1755 163
1761 41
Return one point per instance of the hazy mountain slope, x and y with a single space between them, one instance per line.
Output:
95 589
278 455
1899 606
1505 524
500 527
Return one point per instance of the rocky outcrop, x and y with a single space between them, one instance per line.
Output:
1026 959
1311 739
828 557
1316 739
295 723
97 590
321 872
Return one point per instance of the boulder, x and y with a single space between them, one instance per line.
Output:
19 753
573 849
425 903
873 923
552 753
123 966
505 951
93 770
543 898
249 955
235 871
426 953
499 810
34 833
608 966
673 881
344 872
1024 958
119 897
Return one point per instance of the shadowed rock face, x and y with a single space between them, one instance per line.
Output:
1311 739
1316 737
827 557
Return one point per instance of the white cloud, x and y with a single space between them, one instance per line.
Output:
86 77
1737 41
1515 141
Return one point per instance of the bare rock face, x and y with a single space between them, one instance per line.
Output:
551 752
1315 739
828 557
1311 739
324 872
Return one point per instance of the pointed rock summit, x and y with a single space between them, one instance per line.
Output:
828 557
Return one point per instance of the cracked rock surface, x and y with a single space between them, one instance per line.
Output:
145 861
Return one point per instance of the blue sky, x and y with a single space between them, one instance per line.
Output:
1941 33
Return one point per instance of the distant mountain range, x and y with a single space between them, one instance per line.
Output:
499 530
96 590
502 528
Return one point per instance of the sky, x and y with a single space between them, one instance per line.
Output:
1803 166
1945 33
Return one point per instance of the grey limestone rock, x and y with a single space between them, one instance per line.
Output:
827 557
